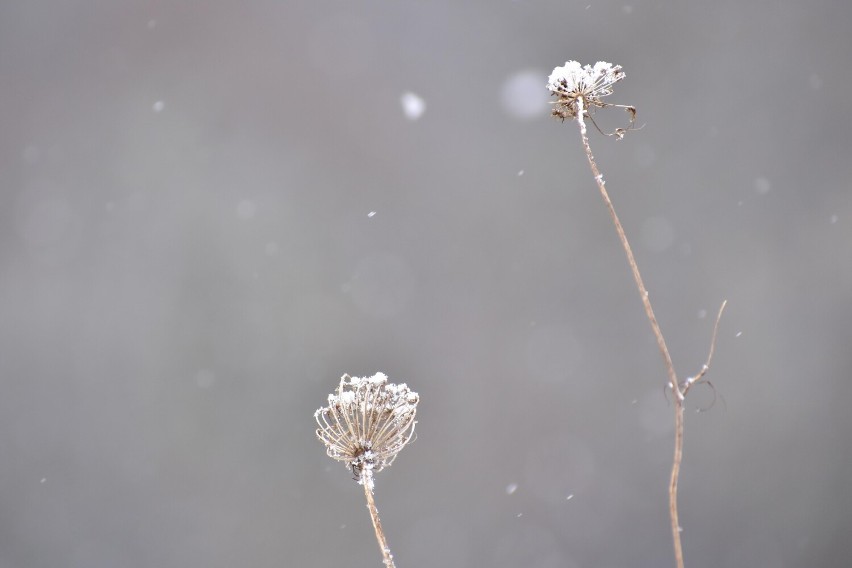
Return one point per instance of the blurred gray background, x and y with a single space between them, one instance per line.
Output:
209 211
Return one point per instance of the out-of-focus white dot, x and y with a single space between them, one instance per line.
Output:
246 209
520 173
739 333
657 234
762 185
569 497
159 106
523 96
511 488
342 527
204 378
627 9
702 314
413 106
815 81
371 214
271 248
152 24
519 515
832 219
43 480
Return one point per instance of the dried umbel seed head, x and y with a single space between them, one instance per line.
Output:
367 422
574 81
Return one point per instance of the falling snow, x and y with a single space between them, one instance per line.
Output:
521 95
413 106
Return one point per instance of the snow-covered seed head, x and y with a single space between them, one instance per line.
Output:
573 81
367 422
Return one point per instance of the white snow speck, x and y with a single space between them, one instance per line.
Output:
520 173
627 9
271 248
569 497
519 515
511 488
634 401
413 106
762 186
739 333
43 480
702 314
158 106
246 209
371 214
342 527
833 219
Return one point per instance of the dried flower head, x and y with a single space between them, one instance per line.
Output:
579 89
367 422
573 81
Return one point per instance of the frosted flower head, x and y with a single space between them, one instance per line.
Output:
574 81
367 422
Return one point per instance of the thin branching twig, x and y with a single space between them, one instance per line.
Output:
578 90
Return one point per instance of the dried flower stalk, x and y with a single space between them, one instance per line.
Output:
365 425
579 90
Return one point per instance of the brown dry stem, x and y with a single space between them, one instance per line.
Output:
679 390
367 482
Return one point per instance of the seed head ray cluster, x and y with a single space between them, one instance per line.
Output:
573 81
367 422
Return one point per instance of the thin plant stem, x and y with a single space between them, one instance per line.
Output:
661 342
649 311
367 482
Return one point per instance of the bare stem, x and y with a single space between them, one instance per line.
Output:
367 482
661 342
643 293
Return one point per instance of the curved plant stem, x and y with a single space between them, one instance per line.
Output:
661 342
367 482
